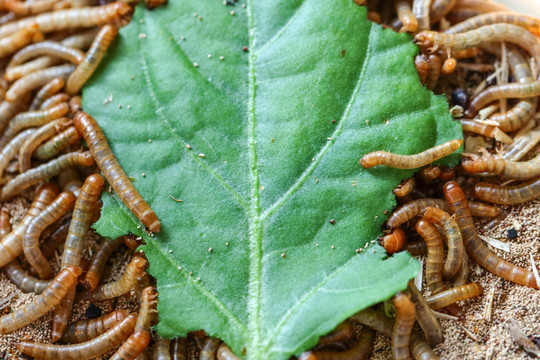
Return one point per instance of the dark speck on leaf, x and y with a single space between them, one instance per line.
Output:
512 234
332 221
92 311
343 52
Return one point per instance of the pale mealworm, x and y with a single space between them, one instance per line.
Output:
113 172
342 332
37 79
179 349
485 130
209 349
361 349
439 8
425 317
405 188
516 170
161 349
92 59
421 63
449 66
85 330
86 350
43 172
475 247
225 353
42 303
49 215
47 48
54 100
429 173
403 9
416 248
21 38
410 161
48 90
434 71
453 237
12 147
97 264
394 241
5 225
451 296
401 334
9 109
522 145
133 346
58 143
504 91
435 251
420 10
25 8
25 282
526 21
508 195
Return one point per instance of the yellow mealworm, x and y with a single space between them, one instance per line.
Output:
92 59
439 8
11 244
25 8
12 147
70 180
416 248
449 66
403 9
434 71
21 38
209 349
162 349
37 79
54 100
341 333
47 48
516 117
52 212
420 349
127 282
504 91
465 53
405 188
410 161
147 310
394 241
485 130
43 172
225 353
462 277
421 63
454 295
117 13
526 21
48 90
435 253
22 280
522 145
361 349
508 195
113 172
84 330
5 226
420 10
86 350
97 264
401 335
42 303
516 170
453 237
425 317
475 247
179 349
133 347
9 109
41 63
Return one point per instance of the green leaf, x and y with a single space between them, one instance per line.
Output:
276 167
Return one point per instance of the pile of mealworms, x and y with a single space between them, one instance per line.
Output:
50 48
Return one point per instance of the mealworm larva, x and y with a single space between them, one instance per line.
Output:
465 53
54 100
375 320
21 38
12 147
25 8
405 317
462 277
37 79
48 90
517 170
435 257
11 244
522 145
475 247
147 310
25 282
410 161
75 104
420 350
58 143
9 109
209 349
47 48
508 195
56 237
97 264
52 212
453 237
425 317
17 72
439 8
92 59
504 91
84 330
517 116
225 353
42 303
179 348
449 66
420 10
405 188
113 172
421 63
394 241
416 248
403 9
430 172
133 346
86 350
458 293
70 180
361 349
341 333
434 71
43 172
161 349
5 226
528 22
485 130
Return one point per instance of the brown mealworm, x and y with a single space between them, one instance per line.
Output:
517 116
97 264
25 282
58 143
394 241
113 172
147 310
225 353
162 349
485 130
405 188
209 349
516 170
421 63
401 334
21 38
425 317
429 173
410 161
462 277
421 350
86 350
420 10
133 346
342 332
449 66
85 330
75 104
434 72
528 22
451 296
49 215
47 48
42 303
508 195
25 8
475 247
435 250
43 172
481 6
37 79
439 8
504 91
403 9
56 237
92 59
416 248
361 349
48 90
522 145
466 53
179 349
8 152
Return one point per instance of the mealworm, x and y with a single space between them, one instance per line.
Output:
485 130
439 8
341 333
52 212
465 53
47 48
416 248
394 241
435 257
179 348
58 143
42 303
475 247
117 13
84 330
54 100
410 161
97 264
86 350
161 349
75 104
41 63
462 277
425 317
25 282
25 8
508 195
522 145
528 22
480 5
516 117
70 180
401 335
37 79
516 170
434 72
21 38
361 349
43 172
92 59
5 226
113 172
453 237
9 109
405 188
403 9
12 147
225 353
430 172
421 63
11 244
209 349
504 91
458 293
420 350
449 66
420 10
48 90
147 310
133 346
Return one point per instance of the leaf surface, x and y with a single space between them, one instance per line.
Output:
262 148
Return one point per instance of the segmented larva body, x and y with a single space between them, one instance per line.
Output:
449 66
374 320
403 9
37 79
209 349
54 100
42 303
341 333
504 91
9 109
25 8
465 53
75 104
439 8
5 225
25 282
179 348
133 346
21 38
147 310
86 350
435 257
420 350
475 247
453 236
70 180
429 173
528 22
420 10
361 349
516 170
56 238
416 248
8 152
421 63
508 195
17 72
451 296
410 161
425 317
48 90
405 317
47 48
522 145
394 241
485 130
58 143
462 277
92 59
405 188
225 353
43 172
97 264
434 71
517 116
53 212
11 244
481 6
113 172
85 330
161 349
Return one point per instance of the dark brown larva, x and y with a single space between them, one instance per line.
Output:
210 347
425 317
162 349
341 333
508 195
434 263
179 349
451 296
85 330
401 335
97 264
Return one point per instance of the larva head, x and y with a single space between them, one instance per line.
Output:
75 270
393 242
453 192
424 39
432 213
87 159
123 13
138 263
421 226
369 160
149 294
93 185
